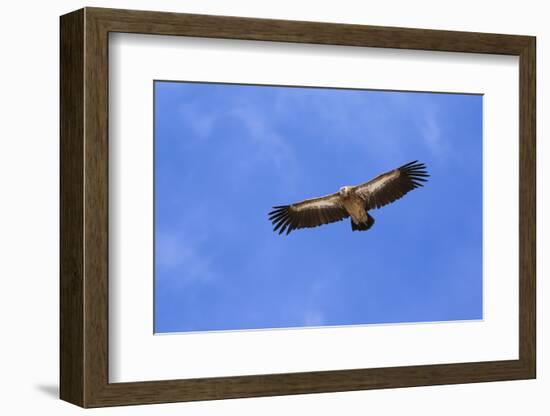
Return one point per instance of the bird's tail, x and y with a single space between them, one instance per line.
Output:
362 226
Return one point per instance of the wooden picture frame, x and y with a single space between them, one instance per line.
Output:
84 207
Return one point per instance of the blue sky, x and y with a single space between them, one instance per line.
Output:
225 154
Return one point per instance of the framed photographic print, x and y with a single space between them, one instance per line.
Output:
255 207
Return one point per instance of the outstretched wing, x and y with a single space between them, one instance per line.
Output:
309 213
392 185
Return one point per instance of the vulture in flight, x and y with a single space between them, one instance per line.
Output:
350 201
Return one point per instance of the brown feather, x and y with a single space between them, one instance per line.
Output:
392 185
308 213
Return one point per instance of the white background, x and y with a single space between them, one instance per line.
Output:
29 212
136 355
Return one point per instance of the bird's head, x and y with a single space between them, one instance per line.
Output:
344 191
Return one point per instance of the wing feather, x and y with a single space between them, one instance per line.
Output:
308 213
390 186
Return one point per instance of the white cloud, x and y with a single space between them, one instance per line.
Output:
174 253
353 118
431 134
426 119
314 317
271 146
201 122
268 146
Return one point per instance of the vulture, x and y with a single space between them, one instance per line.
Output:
350 201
